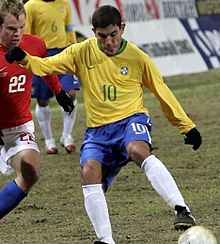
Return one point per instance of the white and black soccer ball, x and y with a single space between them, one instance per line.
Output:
197 235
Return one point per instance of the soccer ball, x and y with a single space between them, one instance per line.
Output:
197 235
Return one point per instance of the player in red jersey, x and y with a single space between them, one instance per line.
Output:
19 152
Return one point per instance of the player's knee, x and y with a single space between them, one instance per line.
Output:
138 150
91 175
30 173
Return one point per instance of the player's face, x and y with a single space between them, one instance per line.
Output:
109 38
12 30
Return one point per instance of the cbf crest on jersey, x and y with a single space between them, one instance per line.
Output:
124 70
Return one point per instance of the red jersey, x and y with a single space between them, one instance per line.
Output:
15 84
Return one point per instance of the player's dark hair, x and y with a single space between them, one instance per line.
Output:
13 7
106 15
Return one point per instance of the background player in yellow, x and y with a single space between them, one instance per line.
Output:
51 20
113 72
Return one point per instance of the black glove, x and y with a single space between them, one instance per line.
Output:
65 101
194 138
1 141
14 53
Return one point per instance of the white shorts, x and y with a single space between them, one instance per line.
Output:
15 140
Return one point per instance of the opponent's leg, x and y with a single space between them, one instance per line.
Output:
11 195
26 166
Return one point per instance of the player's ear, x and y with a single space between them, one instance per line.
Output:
122 27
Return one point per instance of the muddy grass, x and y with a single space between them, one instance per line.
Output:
53 213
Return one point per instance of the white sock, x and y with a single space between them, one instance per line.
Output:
69 121
97 210
162 181
44 120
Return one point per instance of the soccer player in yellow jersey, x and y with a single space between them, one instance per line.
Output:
113 73
51 20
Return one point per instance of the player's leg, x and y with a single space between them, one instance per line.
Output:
42 93
139 149
69 120
43 115
94 198
23 158
26 167
95 202
70 84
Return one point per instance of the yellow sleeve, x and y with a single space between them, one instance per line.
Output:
71 35
170 106
62 63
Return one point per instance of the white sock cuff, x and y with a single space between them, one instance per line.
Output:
91 189
151 162
146 160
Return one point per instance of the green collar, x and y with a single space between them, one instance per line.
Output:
123 45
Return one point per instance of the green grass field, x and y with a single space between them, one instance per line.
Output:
53 213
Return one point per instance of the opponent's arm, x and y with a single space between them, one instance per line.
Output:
62 97
65 101
53 83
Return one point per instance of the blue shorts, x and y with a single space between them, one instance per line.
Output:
107 144
40 90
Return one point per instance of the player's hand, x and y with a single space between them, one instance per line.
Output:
14 53
65 101
194 138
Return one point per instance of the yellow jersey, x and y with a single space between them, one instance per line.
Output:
51 21
112 85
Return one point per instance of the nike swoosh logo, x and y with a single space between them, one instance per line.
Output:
2 69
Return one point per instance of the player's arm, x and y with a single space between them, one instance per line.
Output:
71 35
62 97
62 63
53 83
30 13
64 100
170 106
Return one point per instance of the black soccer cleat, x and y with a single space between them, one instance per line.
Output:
184 219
